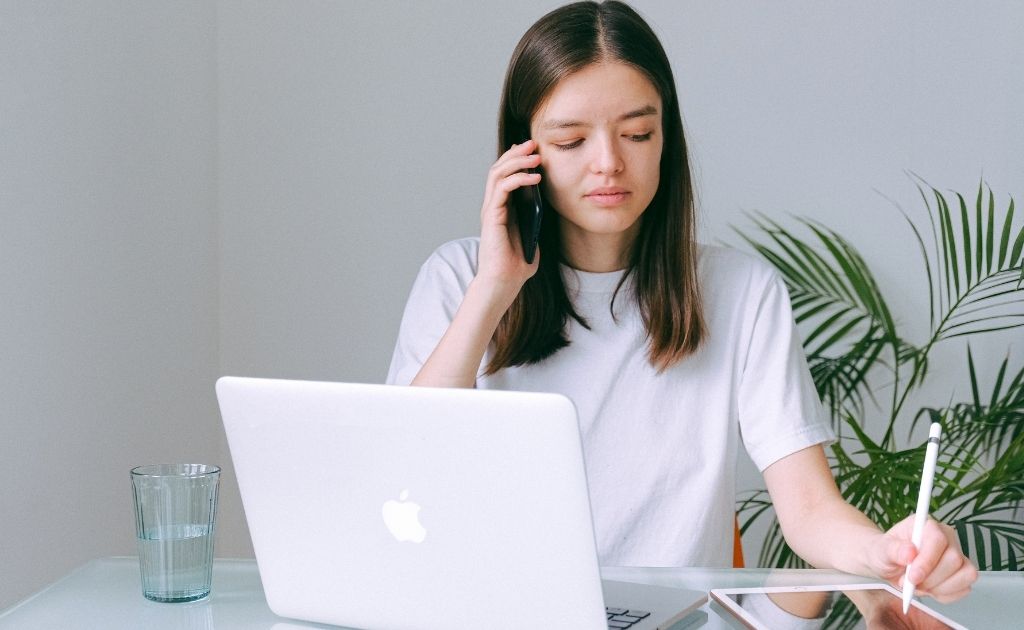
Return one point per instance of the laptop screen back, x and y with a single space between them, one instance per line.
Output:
382 506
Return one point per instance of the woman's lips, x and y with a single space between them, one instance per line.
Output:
607 196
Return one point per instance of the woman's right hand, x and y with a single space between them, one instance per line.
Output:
501 272
501 265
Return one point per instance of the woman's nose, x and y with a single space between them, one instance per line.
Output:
606 159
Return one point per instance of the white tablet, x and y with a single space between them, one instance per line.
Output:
828 607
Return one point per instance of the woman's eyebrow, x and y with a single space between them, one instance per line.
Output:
647 110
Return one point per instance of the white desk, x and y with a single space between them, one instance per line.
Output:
106 593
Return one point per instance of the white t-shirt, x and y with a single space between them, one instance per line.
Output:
660 449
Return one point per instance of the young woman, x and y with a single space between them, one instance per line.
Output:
673 353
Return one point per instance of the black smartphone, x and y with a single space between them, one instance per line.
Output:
529 212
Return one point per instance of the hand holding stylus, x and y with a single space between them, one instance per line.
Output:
921 555
924 498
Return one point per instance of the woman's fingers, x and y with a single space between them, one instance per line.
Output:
518 180
931 551
946 598
939 568
952 572
507 166
519 157
507 174
953 586
496 210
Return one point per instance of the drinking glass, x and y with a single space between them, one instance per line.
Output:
175 511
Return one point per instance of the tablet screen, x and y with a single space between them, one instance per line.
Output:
853 609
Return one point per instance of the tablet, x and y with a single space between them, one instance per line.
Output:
831 607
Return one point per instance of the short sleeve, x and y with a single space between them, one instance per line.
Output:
435 297
779 409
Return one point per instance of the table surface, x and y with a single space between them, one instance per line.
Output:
107 593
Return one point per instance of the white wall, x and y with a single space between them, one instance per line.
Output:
108 269
192 189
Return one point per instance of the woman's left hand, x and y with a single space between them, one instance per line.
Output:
938 569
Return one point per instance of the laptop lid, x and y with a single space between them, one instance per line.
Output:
382 506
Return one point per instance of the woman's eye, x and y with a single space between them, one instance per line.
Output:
640 137
565 146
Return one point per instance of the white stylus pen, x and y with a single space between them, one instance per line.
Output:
924 498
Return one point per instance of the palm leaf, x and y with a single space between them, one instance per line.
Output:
841 381
1002 484
995 544
981 273
987 426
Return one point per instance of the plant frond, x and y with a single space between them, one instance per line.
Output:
841 381
933 300
982 260
982 330
753 508
993 544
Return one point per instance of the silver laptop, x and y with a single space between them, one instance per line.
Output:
375 506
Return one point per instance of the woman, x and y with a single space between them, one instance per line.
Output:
672 352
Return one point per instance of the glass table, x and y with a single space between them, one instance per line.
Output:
106 593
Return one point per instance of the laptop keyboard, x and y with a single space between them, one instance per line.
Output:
619 618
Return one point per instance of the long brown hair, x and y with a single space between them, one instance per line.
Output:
663 260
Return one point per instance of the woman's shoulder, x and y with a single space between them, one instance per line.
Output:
735 284
459 254
729 268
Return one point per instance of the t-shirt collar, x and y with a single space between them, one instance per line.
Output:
577 281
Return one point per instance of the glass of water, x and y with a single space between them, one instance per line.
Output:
175 509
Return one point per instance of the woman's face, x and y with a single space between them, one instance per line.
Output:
600 139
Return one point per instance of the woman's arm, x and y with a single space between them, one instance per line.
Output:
501 272
456 359
827 532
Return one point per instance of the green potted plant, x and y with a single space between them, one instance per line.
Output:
975 282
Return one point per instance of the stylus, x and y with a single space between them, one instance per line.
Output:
924 498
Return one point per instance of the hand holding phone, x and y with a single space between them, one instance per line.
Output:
529 212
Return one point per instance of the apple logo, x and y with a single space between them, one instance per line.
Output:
402 518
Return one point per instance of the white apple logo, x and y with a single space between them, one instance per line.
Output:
402 518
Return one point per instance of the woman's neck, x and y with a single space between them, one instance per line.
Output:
598 253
